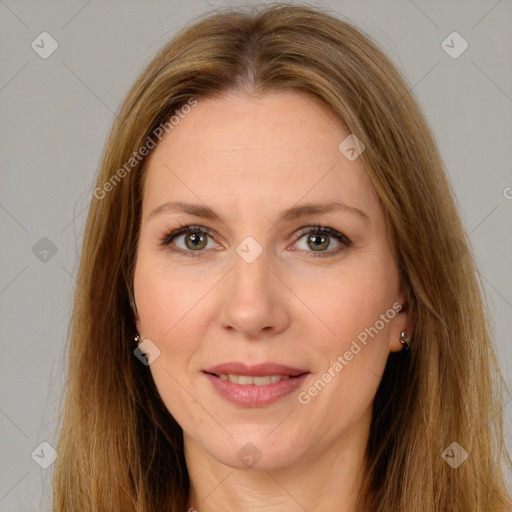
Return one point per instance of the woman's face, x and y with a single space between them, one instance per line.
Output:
273 337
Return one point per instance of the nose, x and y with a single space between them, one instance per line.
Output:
256 301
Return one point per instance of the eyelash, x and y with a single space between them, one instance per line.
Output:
317 229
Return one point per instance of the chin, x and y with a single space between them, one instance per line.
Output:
254 452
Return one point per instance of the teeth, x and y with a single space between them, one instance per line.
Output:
258 381
243 379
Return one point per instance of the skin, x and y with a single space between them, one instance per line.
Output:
250 158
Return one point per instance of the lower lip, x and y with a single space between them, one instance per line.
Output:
251 395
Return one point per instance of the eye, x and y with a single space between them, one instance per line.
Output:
319 238
195 239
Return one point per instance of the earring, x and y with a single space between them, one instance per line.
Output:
136 339
403 341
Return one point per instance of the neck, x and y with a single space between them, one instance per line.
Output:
317 481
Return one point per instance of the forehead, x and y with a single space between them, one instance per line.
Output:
284 121
246 149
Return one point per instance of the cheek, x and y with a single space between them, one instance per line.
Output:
162 303
171 314
351 303
358 308
163 298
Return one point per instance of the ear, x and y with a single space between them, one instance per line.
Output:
403 321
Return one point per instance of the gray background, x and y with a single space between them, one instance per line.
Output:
55 115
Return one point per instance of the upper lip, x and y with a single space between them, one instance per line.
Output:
235 368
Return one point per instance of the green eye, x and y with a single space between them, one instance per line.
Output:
195 239
319 239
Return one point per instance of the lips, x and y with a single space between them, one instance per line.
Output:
259 370
255 386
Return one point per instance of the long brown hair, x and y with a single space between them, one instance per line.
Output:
119 447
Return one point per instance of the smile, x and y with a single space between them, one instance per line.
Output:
245 380
254 390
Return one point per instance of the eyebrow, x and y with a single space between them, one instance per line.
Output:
292 213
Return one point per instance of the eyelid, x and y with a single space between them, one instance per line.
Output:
184 229
311 229
341 238
317 228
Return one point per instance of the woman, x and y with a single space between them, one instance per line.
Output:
275 312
